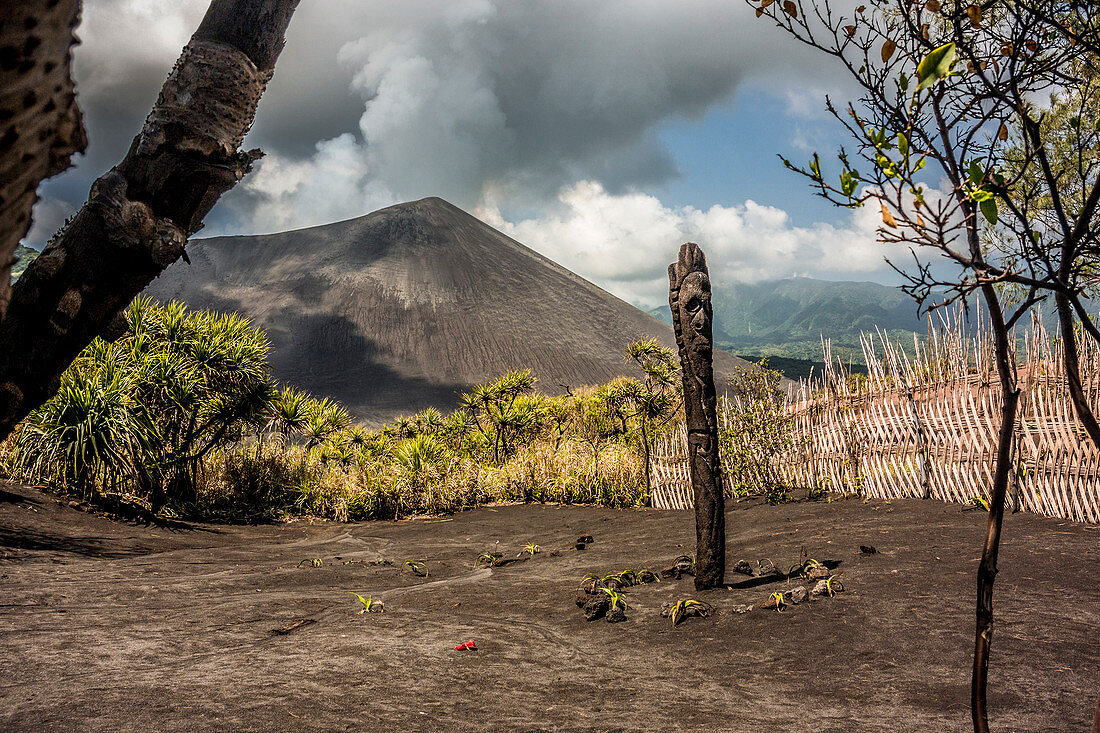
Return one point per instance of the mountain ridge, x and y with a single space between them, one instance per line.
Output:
405 307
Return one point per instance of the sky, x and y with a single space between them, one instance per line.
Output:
602 135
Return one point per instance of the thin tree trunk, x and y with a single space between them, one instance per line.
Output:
42 125
1096 718
1072 368
140 213
987 569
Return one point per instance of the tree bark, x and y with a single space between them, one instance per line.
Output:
692 318
40 121
139 214
987 569
1072 368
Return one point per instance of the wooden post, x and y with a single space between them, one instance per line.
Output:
689 299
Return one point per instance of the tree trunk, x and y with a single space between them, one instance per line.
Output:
40 121
689 299
987 569
139 214
1072 368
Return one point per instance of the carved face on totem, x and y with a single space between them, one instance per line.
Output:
695 312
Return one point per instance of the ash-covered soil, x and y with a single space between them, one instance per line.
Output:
108 625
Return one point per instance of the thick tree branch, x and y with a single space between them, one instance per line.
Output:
140 213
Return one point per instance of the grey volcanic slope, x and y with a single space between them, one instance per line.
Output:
406 307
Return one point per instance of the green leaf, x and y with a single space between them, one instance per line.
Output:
981 195
935 66
989 210
976 173
903 144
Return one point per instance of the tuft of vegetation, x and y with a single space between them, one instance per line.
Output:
687 607
181 414
370 605
756 435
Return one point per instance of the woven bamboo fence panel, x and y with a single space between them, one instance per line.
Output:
924 424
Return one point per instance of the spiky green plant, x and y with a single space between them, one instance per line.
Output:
616 597
778 600
313 562
531 548
370 605
833 585
418 566
684 606
486 559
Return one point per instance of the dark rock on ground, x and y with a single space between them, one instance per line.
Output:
596 607
868 549
743 567
765 568
647 576
615 614
797 595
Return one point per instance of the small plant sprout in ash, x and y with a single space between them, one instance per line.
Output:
617 598
370 605
833 585
418 567
686 607
531 549
812 569
313 562
778 600
486 559
979 502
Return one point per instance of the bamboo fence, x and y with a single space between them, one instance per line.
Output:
924 424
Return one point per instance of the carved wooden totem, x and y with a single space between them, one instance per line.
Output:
689 298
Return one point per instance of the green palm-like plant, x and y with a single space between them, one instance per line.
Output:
144 410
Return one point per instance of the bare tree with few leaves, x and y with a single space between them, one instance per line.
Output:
953 142
140 213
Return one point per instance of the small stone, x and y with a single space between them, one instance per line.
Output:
765 568
742 567
596 607
820 589
797 595
555 553
647 576
582 597
742 609
868 549
615 614
585 539
666 609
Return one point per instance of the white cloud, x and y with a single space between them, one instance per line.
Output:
625 242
